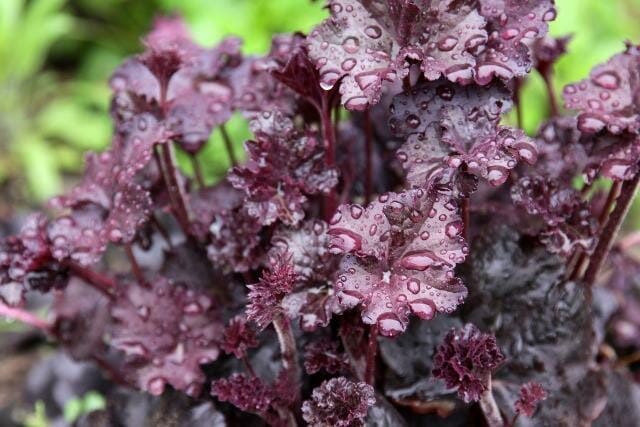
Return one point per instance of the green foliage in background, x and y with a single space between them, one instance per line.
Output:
57 56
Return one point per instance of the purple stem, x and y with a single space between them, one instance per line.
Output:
24 317
100 282
228 145
581 262
135 267
490 408
610 231
197 170
553 102
178 203
288 350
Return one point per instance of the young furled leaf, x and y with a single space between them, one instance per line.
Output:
323 355
239 336
465 360
338 402
569 221
166 332
260 82
401 252
449 129
265 297
284 167
249 394
530 394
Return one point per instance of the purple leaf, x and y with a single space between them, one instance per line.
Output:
465 360
403 249
239 337
166 332
338 402
364 44
607 98
512 26
530 394
284 167
449 127
265 297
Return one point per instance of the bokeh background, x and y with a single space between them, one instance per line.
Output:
56 57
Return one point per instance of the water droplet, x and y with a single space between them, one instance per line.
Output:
373 31
412 121
549 15
348 64
423 308
356 103
420 260
590 123
448 43
356 211
192 308
607 80
329 78
445 92
509 33
454 228
351 45
389 325
413 286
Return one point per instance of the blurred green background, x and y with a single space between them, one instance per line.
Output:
56 57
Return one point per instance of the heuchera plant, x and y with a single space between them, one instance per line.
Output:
385 202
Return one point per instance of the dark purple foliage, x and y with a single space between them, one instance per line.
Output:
530 394
308 258
401 251
338 402
466 359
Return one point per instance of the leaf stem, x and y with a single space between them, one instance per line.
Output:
99 281
197 170
135 267
582 260
490 408
553 102
24 316
228 145
288 350
176 197
611 229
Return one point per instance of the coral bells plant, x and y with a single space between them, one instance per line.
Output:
392 249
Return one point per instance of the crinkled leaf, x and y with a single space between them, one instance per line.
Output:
166 331
448 127
284 167
607 99
402 251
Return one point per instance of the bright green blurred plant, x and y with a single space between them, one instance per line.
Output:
44 121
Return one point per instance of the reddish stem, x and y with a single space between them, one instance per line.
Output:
614 192
610 231
135 267
288 350
24 317
372 355
228 145
329 142
178 203
97 280
553 102
517 86
197 170
368 178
